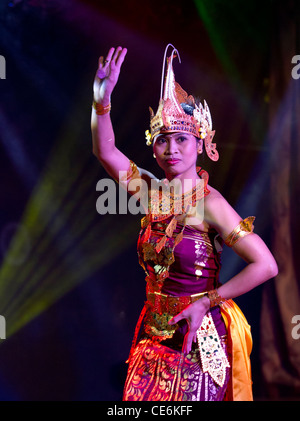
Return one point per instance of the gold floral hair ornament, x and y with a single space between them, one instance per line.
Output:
171 117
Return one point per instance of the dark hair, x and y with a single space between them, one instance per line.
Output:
187 108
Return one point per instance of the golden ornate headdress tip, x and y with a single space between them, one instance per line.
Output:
178 112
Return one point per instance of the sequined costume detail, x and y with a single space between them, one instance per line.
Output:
181 264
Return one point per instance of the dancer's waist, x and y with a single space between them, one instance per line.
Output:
172 305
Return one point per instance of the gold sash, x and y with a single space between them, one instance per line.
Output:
240 346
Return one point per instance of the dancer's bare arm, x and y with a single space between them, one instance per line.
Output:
104 147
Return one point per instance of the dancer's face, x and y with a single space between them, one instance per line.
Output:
176 153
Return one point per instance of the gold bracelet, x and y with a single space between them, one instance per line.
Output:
214 298
244 228
100 110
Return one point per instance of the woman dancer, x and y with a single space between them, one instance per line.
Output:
192 342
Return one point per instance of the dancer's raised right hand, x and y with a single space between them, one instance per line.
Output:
108 74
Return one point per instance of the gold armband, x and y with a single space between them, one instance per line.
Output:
132 172
244 228
100 110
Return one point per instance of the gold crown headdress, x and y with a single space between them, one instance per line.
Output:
171 116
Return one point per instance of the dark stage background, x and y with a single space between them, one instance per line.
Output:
70 286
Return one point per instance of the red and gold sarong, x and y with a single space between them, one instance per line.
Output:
159 371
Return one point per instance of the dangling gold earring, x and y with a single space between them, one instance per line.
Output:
200 147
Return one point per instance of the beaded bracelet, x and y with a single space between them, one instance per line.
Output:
214 298
100 110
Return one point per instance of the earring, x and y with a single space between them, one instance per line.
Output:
154 156
200 147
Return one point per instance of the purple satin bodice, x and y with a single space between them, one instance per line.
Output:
195 263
